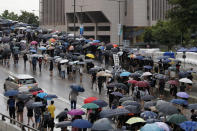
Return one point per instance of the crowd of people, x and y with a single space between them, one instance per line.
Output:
134 87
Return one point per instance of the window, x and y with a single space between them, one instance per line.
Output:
103 28
89 28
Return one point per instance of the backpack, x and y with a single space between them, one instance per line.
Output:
46 116
138 94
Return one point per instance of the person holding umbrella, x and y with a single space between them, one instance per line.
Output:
11 107
73 98
51 68
30 116
40 63
20 108
25 58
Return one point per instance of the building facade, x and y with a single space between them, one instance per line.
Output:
107 20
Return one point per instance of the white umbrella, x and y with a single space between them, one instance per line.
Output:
147 74
58 60
23 89
186 80
64 61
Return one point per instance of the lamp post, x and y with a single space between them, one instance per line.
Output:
74 19
119 19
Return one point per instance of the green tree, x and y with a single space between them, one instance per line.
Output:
29 18
9 15
147 35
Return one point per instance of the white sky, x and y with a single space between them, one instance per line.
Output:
17 5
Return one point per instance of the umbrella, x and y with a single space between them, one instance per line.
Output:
37 92
121 86
172 68
182 95
50 96
90 56
41 95
189 125
182 49
62 114
192 106
89 100
88 60
90 106
11 93
179 101
132 81
64 61
33 89
36 104
151 127
33 50
81 123
135 75
120 111
139 57
77 88
100 103
148 115
106 113
173 82
126 99
63 124
152 120
148 97
163 57
148 67
193 49
142 84
74 112
42 48
125 74
52 40
149 104
134 103
103 124
133 109
166 60
29 103
163 126
117 94
176 119
103 73
34 43
20 35
186 80
146 74
134 120
5 39
23 96
166 107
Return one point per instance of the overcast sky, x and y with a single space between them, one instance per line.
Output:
17 5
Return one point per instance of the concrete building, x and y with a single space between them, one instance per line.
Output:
108 20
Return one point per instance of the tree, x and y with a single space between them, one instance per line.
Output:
9 15
147 35
29 18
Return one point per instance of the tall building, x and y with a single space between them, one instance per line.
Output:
106 20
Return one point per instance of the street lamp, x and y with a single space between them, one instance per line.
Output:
74 18
119 20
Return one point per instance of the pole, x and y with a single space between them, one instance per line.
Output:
74 19
119 20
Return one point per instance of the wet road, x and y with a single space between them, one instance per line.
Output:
51 85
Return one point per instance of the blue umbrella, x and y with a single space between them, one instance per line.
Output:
183 74
151 127
11 93
42 95
166 60
100 103
182 49
77 88
42 48
148 115
81 123
179 101
50 96
189 125
117 94
33 51
148 67
193 49
135 75
125 74
139 57
96 41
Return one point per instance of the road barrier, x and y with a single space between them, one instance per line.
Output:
9 127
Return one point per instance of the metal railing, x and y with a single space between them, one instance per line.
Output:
21 125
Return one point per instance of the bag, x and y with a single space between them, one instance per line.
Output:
47 116
138 94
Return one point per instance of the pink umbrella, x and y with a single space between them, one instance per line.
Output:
34 43
76 112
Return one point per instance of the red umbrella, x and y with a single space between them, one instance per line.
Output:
36 92
132 81
142 84
89 100
173 82
34 42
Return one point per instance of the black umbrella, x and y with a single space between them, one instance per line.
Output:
166 107
23 97
29 103
114 50
63 124
126 99
20 35
5 39
62 114
106 113
103 124
109 46
134 103
149 104
120 111
135 75
121 86
133 109
47 36
192 106
148 97
33 89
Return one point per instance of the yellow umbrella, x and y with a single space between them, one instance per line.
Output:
90 56
134 120
172 61
103 73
